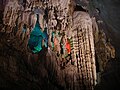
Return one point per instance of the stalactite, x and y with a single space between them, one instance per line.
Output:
62 18
84 32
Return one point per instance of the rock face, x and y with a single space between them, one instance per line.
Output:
70 20
109 12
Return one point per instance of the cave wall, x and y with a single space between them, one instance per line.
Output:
88 41
109 13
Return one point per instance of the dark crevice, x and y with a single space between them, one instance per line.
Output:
79 8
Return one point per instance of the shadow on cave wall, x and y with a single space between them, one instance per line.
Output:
110 79
110 14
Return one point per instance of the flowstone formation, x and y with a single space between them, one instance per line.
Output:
52 45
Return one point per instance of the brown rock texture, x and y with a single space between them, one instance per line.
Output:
21 69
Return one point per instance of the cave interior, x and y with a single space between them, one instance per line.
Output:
59 44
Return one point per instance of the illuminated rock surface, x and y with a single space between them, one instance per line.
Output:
94 28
